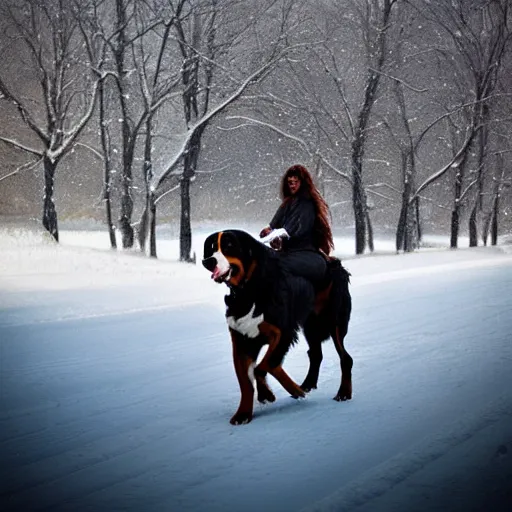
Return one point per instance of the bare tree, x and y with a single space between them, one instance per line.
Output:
140 79
501 181
408 221
480 33
88 14
46 32
158 84
375 18
222 57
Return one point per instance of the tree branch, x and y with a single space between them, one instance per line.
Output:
398 80
296 139
25 167
18 145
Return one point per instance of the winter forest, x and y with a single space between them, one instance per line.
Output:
137 113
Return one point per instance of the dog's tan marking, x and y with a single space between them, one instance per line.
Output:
273 334
252 268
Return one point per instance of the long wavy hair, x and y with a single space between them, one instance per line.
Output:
322 235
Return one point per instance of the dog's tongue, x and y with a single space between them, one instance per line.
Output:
216 273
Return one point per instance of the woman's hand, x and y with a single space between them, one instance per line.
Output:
276 243
265 231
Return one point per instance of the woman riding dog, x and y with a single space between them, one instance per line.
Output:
304 215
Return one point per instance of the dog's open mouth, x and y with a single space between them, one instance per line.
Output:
220 276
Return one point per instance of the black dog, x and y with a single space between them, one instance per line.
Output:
268 305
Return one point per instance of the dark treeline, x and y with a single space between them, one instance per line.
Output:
399 107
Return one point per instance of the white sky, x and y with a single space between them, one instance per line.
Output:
117 387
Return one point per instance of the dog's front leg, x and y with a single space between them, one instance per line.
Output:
244 369
264 392
273 335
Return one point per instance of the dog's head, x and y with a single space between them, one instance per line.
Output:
229 256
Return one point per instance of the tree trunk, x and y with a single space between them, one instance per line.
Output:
457 191
110 223
495 219
454 229
419 230
107 178
376 58
128 138
358 202
142 231
402 224
126 216
49 212
147 173
370 231
473 229
189 169
483 135
185 226
152 227
495 210
486 226
360 223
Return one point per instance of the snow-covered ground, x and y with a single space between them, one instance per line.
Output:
116 387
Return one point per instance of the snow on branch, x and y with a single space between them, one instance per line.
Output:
454 162
71 135
94 151
379 194
23 111
467 189
25 167
21 146
172 189
454 111
405 84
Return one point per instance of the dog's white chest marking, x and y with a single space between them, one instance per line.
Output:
246 325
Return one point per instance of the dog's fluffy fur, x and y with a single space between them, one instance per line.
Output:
267 305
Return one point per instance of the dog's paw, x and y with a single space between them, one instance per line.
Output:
240 418
298 393
307 386
344 393
265 395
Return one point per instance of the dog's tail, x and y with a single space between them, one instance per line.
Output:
341 301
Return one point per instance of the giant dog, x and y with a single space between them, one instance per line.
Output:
268 305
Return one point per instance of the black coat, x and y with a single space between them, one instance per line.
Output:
297 216
299 255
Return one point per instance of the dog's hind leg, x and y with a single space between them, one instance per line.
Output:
338 309
346 362
313 335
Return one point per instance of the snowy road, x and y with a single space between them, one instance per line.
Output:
127 408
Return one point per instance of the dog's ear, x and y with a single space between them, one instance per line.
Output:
209 245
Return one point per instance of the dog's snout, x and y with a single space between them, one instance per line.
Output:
210 263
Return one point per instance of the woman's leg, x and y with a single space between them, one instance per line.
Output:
308 264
